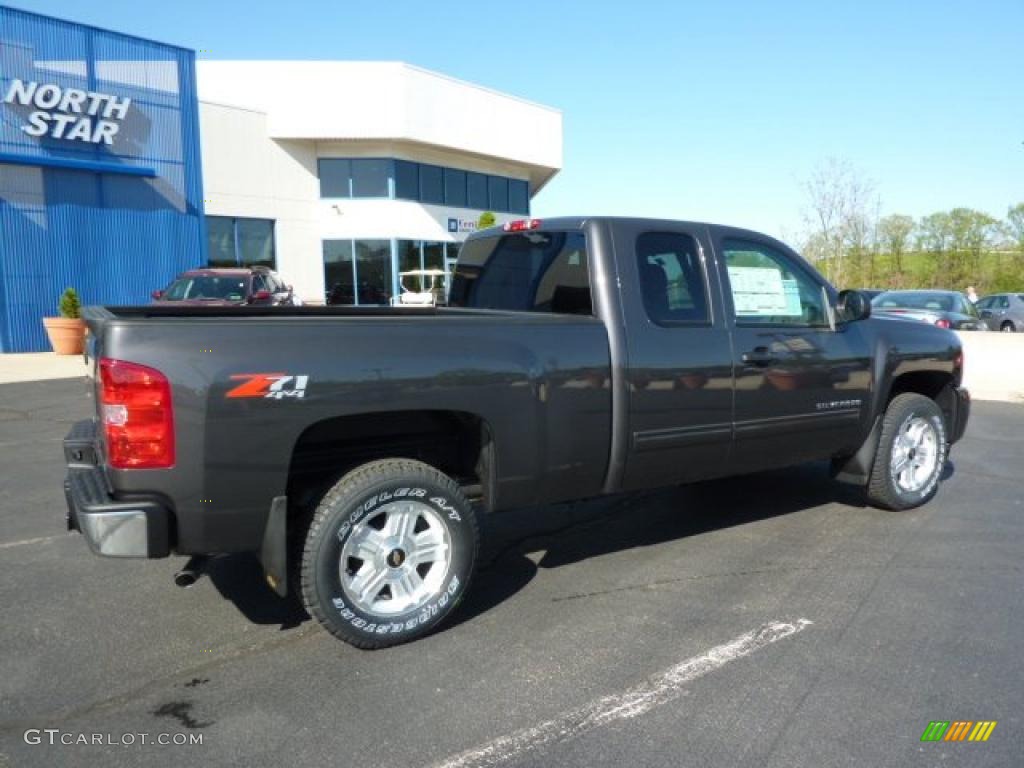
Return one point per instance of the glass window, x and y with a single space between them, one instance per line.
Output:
197 287
255 242
986 303
768 288
533 272
431 184
455 187
373 271
240 242
370 178
518 196
433 255
407 180
409 255
497 189
220 234
671 278
339 277
476 191
1003 302
334 177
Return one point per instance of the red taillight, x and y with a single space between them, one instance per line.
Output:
942 322
135 408
521 225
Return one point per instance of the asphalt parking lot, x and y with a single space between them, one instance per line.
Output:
767 621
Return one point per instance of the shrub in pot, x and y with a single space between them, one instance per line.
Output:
67 332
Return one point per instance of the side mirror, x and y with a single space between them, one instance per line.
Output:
852 306
156 294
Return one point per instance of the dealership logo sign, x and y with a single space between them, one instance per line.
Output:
461 225
69 113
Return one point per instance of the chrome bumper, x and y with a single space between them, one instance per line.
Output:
124 533
113 527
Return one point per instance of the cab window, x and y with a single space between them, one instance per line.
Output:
671 279
770 288
527 272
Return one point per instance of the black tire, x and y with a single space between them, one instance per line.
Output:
1008 327
883 488
361 500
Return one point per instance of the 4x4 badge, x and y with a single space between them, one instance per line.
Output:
276 386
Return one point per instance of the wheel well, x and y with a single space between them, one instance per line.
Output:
937 385
456 443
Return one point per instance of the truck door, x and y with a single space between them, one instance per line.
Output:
802 387
680 362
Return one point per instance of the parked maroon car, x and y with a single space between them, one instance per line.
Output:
215 287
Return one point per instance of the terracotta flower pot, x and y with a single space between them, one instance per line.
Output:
67 335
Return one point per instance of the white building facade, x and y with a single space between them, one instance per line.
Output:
340 175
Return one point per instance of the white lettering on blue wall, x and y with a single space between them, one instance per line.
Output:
69 113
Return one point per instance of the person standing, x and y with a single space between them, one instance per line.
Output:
971 294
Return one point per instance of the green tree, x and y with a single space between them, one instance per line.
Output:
894 233
487 219
1015 225
934 237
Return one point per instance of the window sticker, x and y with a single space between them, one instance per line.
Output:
792 289
762 292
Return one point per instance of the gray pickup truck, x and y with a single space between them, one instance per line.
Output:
355 448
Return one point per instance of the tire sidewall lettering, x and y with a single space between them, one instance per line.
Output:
334 600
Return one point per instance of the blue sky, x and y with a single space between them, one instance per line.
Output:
698 110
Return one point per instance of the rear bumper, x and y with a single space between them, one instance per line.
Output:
961 413
113 527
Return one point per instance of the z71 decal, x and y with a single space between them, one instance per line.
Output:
275 386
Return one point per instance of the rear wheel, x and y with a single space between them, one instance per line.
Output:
389 553
911 455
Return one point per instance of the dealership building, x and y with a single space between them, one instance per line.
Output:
124 162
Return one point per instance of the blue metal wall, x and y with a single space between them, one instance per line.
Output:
115 221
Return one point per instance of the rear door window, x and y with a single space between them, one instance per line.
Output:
672 279
526 271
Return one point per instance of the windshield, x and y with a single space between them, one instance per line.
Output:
215 287
936 302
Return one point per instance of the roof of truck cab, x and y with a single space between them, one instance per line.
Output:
578 222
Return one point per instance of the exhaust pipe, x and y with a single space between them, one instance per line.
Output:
189 575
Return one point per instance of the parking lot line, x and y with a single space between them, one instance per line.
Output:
38 540
654 692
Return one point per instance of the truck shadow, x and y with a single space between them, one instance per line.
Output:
572 532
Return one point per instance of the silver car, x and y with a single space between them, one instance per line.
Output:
1002 311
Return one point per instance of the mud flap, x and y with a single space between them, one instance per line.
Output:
856 469
274 550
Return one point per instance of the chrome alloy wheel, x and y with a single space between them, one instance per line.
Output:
396 559
915 454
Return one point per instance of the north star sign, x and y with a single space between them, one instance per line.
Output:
69 113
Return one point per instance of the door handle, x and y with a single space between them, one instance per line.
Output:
758 356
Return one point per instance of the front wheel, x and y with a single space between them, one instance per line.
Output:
1007 327
911 455
389 553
